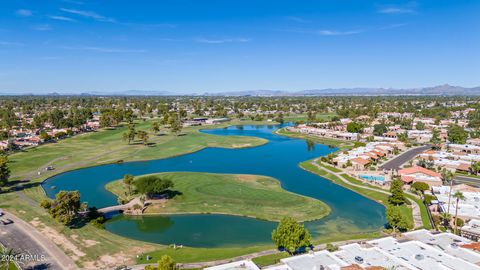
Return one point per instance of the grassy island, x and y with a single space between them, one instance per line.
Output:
246 195
106 146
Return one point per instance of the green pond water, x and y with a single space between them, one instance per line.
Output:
279 158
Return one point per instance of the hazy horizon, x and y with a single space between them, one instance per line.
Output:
189 46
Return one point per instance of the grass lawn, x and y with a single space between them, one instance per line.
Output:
245 195
331 168
107 146
342 145
304 117
267 260
190 255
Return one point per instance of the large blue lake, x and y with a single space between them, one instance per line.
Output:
279 158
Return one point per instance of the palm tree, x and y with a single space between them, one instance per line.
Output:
6 253
445 218
459 196
448 178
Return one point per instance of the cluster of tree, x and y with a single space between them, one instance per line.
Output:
291 236
152 185
174 120
355 127
65 207
4 171
131 133
165 263
457 134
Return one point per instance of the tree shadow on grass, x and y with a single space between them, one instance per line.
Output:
168 194
18 185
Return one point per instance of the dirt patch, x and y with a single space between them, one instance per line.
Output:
246 178
242 145
74 237
90 243
59 239
109 261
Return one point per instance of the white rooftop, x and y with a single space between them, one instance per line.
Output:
366 257
315 260
448 243
470 207
240 265
421 256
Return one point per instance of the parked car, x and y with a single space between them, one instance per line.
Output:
1 213
6 221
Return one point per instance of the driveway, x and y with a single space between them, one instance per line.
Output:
398 161
34 250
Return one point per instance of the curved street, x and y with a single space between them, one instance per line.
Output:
397 162
26 240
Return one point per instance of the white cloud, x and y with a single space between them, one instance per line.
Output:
24 12
9 43
103 49
327 32
42 27
337 33
221 41
62 18
89 14
297 19
395 10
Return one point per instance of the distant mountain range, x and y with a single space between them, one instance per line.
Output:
441 90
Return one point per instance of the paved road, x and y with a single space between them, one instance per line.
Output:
26 240
404 158
472 181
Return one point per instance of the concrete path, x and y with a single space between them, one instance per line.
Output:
120 207
397 162
24 239
417 217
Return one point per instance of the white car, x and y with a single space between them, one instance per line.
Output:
1 213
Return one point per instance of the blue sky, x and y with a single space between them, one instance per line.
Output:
186 46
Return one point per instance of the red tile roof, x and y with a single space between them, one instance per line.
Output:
418 169
360 161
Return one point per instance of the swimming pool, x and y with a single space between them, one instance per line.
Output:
377 178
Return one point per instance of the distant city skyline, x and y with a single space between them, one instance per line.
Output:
197 46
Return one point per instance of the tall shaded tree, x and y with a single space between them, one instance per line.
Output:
4 171
395 219
291 235
396 188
